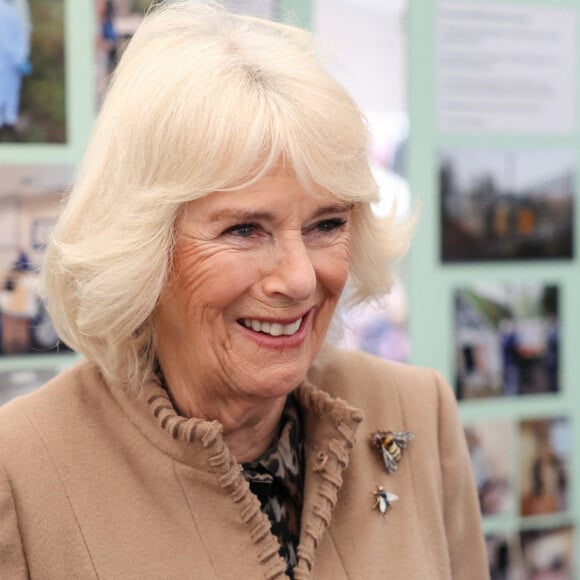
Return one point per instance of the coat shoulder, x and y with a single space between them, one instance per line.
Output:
359 376
25 421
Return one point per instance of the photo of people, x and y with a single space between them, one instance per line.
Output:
548 554
505 558
490 445
32 92
500 204
117 21
30 197
544 455
506 340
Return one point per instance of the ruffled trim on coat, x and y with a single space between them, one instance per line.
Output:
328 467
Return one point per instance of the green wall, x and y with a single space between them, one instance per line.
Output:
432 283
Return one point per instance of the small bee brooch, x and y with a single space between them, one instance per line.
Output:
383 500
391 445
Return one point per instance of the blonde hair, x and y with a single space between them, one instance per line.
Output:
202 100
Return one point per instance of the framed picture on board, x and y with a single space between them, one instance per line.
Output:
30 195
117 22
548 553
507 340
545 446
504 204
491 450
32 71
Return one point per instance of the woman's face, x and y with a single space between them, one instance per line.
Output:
256 278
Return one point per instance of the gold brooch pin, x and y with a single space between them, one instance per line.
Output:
383 500
391 445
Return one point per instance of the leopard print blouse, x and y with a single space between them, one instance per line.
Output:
277 478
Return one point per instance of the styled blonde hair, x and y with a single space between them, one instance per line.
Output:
202 100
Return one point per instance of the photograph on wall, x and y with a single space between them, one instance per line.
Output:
507 340
548 553
117 22
32 71
30 198
491 450
22 382
379 328
504 557
544 466
504 204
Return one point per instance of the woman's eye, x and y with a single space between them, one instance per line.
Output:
330 224
242 230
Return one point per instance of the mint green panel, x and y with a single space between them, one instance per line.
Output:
433 282
298 12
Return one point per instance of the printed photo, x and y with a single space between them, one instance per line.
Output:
505 557
387 150
507 340
548 554
18 383
500 204
29 202
117 21
544 460
379 328
491 450
32 71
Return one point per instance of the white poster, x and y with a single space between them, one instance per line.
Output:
507 69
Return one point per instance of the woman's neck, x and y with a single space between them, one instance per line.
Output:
250 425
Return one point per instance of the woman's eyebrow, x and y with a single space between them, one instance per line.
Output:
228 214
244 215
334 208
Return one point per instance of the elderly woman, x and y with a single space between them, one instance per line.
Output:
223 204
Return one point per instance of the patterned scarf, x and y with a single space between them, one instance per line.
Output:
277 478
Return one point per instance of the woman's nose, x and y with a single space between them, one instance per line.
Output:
291 273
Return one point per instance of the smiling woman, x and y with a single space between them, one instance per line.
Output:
252 336
222 207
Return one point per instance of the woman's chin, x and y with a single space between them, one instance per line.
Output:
275 383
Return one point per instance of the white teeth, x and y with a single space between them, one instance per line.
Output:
273 328
290 329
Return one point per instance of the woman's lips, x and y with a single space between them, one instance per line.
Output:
273 328
288 333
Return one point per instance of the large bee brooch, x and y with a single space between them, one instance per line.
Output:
391 445
383 500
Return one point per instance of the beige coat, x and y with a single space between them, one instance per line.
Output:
97 484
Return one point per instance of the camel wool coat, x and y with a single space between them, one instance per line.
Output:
97 483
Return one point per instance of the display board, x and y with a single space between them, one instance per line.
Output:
69 49
493 162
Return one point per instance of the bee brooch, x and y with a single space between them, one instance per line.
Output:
391 445
383 500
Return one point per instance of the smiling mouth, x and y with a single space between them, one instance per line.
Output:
272 328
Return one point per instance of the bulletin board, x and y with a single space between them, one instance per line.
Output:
493 162
69 58
39 150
